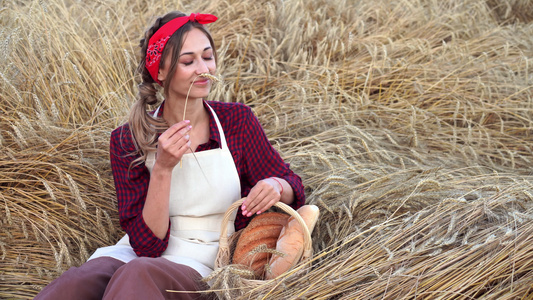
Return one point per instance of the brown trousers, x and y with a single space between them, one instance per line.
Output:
141 278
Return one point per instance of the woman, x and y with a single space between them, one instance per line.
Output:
176 172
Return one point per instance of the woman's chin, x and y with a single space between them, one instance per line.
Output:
204 92
198 93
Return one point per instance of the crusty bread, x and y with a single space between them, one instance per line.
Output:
291 240
264 229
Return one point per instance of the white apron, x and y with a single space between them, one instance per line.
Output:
198 202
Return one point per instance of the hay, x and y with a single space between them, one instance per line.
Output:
410 123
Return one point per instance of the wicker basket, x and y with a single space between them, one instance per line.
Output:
227 243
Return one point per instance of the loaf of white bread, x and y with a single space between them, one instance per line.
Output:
291 242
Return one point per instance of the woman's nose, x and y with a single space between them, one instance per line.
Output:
202 67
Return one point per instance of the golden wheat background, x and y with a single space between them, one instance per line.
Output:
409 121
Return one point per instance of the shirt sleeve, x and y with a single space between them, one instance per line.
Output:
131 185
263 161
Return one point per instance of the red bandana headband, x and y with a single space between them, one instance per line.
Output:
159 39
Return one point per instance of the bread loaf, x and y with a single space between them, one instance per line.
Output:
291 240
264 229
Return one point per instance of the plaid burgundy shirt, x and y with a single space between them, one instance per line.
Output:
252 153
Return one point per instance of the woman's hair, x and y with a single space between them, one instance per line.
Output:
144 127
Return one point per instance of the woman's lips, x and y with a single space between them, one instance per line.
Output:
201 82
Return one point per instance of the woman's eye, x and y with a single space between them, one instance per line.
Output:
187 63
208 58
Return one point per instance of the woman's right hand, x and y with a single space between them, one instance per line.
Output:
172 144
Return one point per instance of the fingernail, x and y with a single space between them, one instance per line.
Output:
186 137
258 212
187 121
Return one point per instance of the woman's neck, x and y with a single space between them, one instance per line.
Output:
193 110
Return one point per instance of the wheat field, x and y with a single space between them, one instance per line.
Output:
409 121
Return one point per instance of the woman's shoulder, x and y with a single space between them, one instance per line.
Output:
231 112
229 107
122 130
121 139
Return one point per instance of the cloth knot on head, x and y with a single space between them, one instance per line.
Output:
192 17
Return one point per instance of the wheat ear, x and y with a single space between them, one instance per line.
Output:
214 79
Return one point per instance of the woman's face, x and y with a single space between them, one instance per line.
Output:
196 57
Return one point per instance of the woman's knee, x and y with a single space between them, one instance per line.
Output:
140 265
150 278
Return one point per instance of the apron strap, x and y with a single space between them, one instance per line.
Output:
223 143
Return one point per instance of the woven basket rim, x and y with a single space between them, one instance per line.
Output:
224 238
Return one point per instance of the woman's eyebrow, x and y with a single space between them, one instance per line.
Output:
190 53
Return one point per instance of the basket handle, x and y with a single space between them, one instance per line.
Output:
223 242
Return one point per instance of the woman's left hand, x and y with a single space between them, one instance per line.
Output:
261 197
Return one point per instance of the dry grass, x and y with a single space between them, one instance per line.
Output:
410 123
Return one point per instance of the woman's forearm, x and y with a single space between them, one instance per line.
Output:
156 207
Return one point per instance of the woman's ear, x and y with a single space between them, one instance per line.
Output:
163 71
161 75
